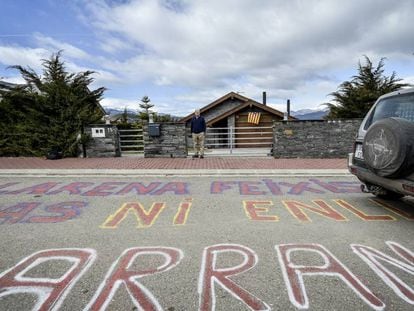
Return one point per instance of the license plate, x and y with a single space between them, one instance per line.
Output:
358 152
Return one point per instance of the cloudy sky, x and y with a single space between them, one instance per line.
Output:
185 54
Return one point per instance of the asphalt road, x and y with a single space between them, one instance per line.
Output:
188 243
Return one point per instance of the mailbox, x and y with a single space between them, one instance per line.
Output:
153 129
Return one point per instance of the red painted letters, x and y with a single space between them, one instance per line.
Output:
121 274
293 274
210 275
50 292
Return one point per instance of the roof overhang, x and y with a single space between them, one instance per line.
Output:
245 102
231 95
245 105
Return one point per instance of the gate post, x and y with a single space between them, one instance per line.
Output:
231 139
104 141
171 142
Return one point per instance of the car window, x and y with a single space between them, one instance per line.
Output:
401 106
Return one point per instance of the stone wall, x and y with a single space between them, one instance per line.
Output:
314 139
292 139
106 144
170 144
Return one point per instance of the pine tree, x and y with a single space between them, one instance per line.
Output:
144 115
354 98
49 111
124 116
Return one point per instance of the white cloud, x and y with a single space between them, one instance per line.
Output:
32 57
277 44
186 53
409 80
55 45
16 55
101 77
113 45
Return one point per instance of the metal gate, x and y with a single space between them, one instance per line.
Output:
248 141
131 141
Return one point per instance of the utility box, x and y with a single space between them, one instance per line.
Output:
153 129
98 132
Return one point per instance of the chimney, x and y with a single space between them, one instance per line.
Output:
288 108
264 98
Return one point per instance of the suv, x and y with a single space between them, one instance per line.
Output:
383 157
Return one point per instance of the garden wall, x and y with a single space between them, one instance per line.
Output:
171 141
314 139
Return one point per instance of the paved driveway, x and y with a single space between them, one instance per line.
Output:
188 243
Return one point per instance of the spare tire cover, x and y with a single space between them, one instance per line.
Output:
389 147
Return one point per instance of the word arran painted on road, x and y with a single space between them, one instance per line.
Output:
132 266
261 187
255 210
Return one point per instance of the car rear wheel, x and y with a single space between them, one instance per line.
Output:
389 147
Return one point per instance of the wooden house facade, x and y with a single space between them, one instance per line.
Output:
250 120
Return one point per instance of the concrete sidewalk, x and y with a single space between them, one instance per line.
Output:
172 166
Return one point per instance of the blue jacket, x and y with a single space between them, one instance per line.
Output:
198 125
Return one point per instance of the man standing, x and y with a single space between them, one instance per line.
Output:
198 129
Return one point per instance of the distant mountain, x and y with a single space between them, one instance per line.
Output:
132 114
310 114
116 111
302 114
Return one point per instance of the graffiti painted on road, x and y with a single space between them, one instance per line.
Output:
295 262
248 188
338 210
255 210
50 292
91 189
146 218
271 187
121 274
34 212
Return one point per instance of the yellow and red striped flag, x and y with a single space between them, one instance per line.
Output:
253 117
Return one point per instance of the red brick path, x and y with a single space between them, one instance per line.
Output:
176 163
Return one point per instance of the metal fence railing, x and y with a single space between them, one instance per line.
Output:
236 138
131 141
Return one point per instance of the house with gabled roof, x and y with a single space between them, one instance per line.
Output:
244 115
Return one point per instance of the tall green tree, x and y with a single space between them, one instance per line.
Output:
49 111
146 106
354 98
20 119
124 116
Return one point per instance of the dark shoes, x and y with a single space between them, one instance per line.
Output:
201 157
195 156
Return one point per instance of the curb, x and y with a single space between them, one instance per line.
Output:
169 173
